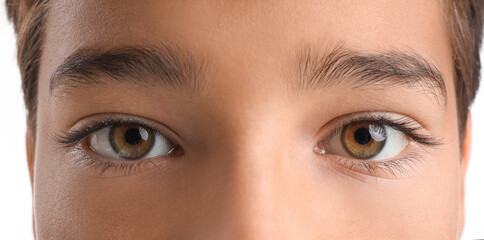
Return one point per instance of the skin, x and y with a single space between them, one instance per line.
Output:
248 170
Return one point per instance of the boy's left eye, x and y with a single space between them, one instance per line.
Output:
129 142
366 141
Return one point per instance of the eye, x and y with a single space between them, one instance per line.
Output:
365 140
130 142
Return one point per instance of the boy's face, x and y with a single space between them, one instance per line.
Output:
284 119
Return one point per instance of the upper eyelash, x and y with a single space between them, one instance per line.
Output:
71 138
402 124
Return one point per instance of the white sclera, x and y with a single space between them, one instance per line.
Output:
99 143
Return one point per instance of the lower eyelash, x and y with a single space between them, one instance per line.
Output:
81 158
391 168
402 165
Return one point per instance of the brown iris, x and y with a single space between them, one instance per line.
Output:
131 141
363 140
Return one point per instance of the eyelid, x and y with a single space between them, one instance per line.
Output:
406 125
75 141
93 123
83 156
397 166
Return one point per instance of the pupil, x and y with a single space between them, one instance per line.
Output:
362 136
132 136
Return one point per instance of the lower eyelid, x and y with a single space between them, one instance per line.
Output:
405 165
81 155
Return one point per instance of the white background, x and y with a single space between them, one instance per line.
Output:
15 191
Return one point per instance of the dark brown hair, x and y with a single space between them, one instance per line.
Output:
28 17
465 19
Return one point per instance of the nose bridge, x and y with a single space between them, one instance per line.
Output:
260 175
255 196
256 150
255 132
267 187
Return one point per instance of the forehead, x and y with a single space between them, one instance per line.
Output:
248 34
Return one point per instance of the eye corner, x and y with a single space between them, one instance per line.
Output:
67 139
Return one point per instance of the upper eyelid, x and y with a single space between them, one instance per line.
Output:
386 119
175 138
88 125
344 122
336 125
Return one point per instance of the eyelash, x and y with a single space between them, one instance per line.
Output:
402 124
71 139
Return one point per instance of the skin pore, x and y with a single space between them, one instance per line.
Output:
234 85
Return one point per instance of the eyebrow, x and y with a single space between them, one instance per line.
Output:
151 65
138 65
357 70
